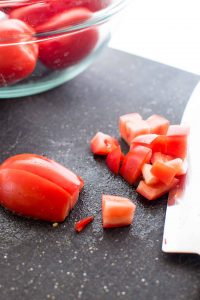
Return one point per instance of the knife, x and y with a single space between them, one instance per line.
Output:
182 222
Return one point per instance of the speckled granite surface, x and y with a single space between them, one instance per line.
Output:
40 262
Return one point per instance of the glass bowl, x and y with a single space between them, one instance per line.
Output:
46 43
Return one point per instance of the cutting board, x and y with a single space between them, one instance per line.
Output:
41 262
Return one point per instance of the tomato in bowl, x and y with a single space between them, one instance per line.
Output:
46 43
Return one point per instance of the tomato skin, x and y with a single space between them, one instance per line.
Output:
133 162
176 146
30 195
80 225
117 211
153 192
16 61
102 144
114 160
77 45
49 170
158 124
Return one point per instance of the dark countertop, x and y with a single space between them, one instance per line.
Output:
41 262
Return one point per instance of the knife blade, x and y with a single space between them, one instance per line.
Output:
182 221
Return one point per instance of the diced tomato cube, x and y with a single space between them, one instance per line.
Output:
136 128
149 178
158 156
117 211
145 140
163 172
80 225
152 192
178 130
133 162
124 119
176 146
114 160
179 165
102 144
158 124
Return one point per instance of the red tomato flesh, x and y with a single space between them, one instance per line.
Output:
133 162
17 61
102 144
153 192
122 123
163 172
136 128
158 124
80 225
114 160
30 195
149 178
158 156
179 165
117 211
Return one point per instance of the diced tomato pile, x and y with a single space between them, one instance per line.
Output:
156 156
37 187
25 40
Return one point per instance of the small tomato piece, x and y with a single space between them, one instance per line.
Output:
80 225
179 165
136 128
178 130
122 123
149 178
176 146
158 156
163 172
133 162
158 124
153 192
102 144
114 160
117 211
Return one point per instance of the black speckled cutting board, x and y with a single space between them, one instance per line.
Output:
40 262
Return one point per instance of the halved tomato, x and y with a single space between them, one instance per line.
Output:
30 195
102 144
117 211
133 162
48 169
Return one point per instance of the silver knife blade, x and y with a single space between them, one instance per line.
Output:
182 222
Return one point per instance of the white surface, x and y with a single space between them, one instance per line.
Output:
167 31
182 223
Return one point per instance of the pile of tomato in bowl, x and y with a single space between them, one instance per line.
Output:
46 43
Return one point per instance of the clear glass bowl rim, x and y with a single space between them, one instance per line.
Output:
97 18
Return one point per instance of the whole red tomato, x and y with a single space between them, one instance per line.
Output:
64 50
17 57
